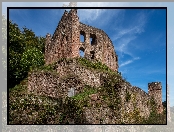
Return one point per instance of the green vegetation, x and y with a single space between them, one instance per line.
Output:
85 94
155 118
31 109
95 65
25 50
45 68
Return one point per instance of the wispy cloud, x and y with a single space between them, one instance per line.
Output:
136 27
100 17
123 46
125 34
86 15
129 61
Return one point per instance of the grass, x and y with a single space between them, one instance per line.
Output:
94 65
85 94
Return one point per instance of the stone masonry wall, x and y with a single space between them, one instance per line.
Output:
100 48
72 76
137 105
49 84
89 77
134 98
65 42
139 98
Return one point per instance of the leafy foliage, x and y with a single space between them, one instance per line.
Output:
25 50
31 57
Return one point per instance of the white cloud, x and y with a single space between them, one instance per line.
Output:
123 46
129 61
124 35
89 15
137 27
126 63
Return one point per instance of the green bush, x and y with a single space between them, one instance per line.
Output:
31 57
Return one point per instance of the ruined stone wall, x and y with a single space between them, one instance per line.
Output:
49 84
89 77
100 48
137 106
138 98
72 76
135 99
65 42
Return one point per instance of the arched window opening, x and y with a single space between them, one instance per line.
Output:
82 36
92 39
81 52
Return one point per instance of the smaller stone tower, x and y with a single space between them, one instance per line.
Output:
155 90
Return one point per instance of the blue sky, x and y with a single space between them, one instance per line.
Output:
138 37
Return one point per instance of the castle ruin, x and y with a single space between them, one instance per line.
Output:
97 46
65 42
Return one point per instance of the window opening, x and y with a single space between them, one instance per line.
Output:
92 39
82 36
81 52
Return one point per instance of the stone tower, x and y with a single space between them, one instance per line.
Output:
155 90
168 105
65 40
66 43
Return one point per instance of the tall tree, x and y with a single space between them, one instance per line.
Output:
25 50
